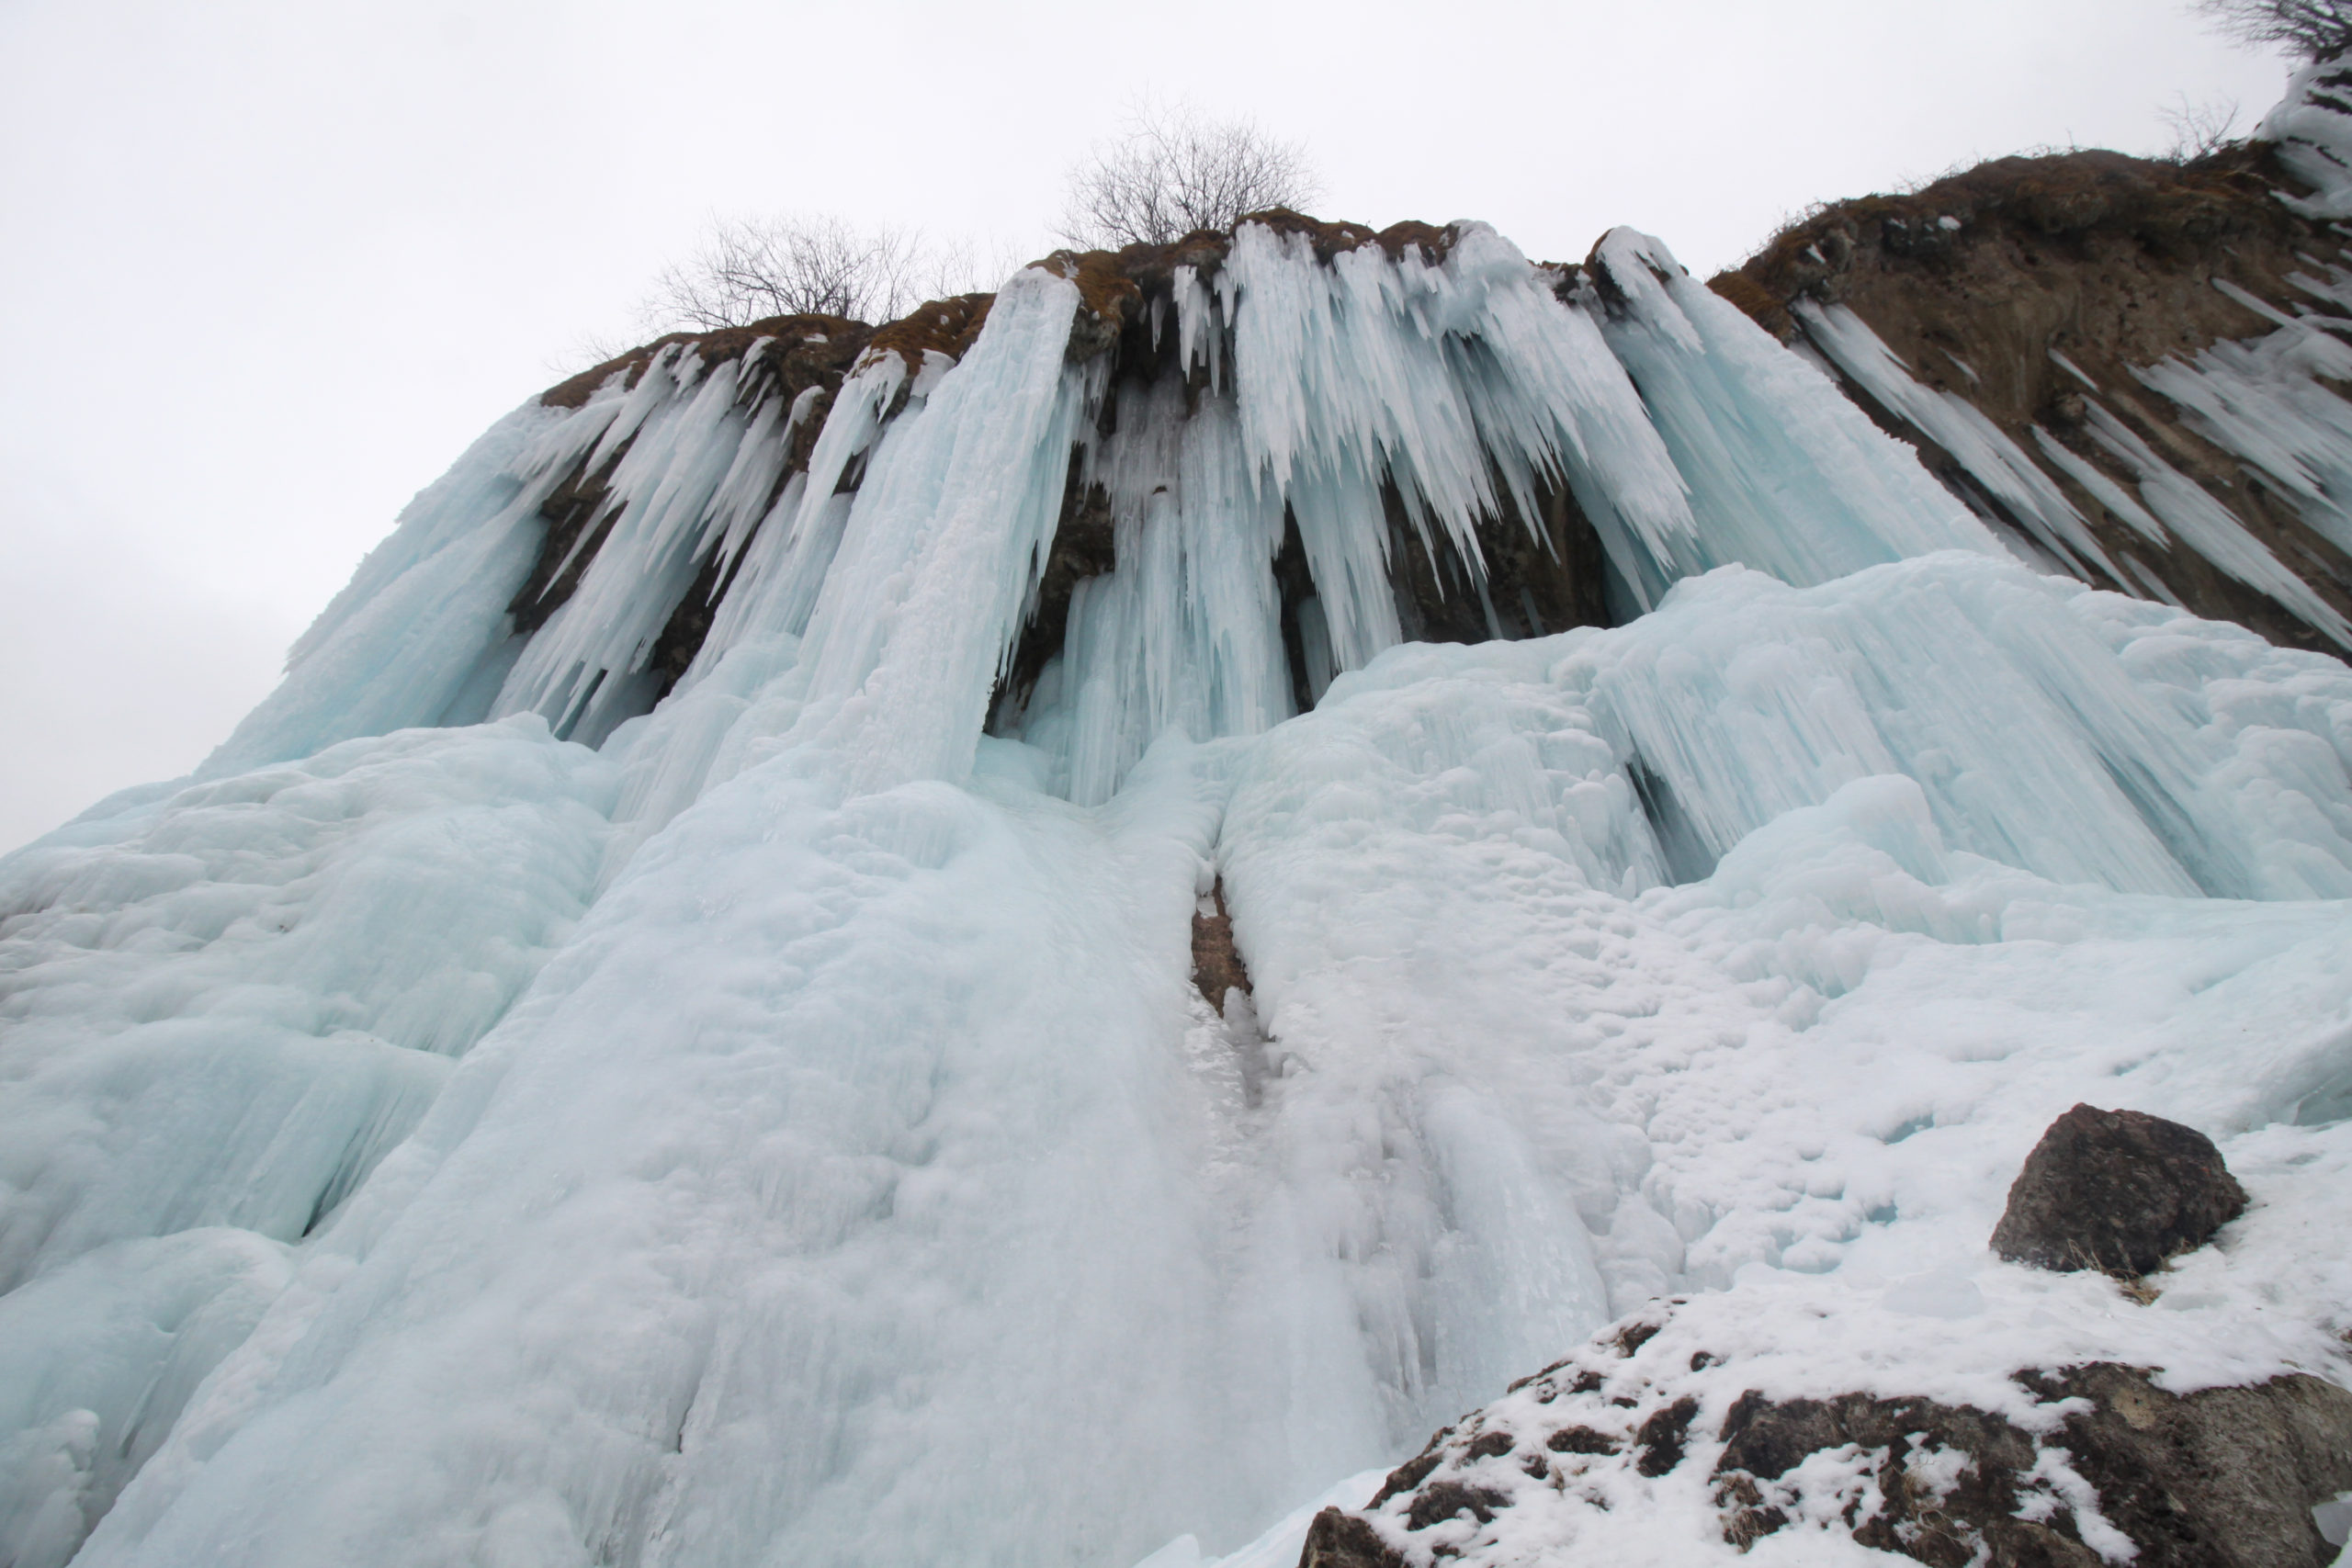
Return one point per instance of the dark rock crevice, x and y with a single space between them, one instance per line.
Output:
1217 966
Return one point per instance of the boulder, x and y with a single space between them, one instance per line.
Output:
2080 1466
2116 1191
1340 1539
2223 1478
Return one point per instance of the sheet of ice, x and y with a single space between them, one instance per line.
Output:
2208 527
96 1359
424 616
1186 632
861 1180
1815 1072
2264 400
1811 493
785 565
790 1273
2032 744
1454 385
1834 1155
1446 392
699 471
776 1175
943 547
225 1013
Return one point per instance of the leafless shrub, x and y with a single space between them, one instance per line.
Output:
2198 129
748 269
2315 29
1174 171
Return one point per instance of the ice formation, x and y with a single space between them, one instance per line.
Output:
517 1105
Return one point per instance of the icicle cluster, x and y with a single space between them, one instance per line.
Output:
1371 404
713 1077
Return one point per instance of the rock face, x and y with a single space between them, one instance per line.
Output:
783 356
2116 1191
2227 1476
2069 300
1217 967
2097 320
2102 1465
1340 1539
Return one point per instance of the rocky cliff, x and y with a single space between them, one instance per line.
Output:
2127 328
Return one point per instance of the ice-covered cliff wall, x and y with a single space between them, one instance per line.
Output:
669 1039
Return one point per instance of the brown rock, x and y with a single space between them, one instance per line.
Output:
1216 962
1340 1539
2113 262
2118 1190
2225 1478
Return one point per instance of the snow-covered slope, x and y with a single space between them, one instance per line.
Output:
527 1102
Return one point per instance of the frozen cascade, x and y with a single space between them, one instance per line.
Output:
1187 631
400 645
943 547
1810 495
786 1132
694 475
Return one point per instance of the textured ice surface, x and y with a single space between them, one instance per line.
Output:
787 1132
855 1127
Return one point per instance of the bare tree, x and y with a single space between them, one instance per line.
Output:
2316 29
749 269
1174 171
2198 129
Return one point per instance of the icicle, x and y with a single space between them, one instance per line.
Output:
2208 527
2104 490
2032 746
943 547
681 486
1811 493
1976 443
2267 402
1186 633
425 613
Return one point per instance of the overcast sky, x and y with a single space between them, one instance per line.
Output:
268 266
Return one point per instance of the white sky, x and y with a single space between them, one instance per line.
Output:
268 266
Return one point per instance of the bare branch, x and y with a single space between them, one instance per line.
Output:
2318 29
1173 171
749 269
2198 129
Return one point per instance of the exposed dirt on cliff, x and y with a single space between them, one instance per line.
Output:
1981 281
802 348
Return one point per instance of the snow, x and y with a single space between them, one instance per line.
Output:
493 1116
2314 137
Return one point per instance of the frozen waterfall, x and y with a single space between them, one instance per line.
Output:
670 1038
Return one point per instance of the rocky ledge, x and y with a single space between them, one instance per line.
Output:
1689 1424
